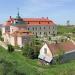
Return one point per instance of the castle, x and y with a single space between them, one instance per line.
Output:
16 31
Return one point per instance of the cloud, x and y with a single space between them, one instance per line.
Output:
35 6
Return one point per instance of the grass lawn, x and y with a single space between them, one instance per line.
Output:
32 67
65 29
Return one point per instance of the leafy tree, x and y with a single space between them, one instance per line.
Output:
0 32
59 57
32 48
10 48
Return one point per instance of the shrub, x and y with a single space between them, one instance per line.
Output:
59 57
10 48
31 51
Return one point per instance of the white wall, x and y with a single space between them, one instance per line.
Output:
12 41
13 28
19 41
47 57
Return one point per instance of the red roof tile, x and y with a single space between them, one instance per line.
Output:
22 33
65 46
32 21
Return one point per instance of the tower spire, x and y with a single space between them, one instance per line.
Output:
18 11
18 15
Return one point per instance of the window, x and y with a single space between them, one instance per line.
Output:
33 32
53 32
44 27
40 28
40 33
28 22
36 28
28 28
36 34
44 33
49 27
53 27
33 28
49 32
12 30
45 50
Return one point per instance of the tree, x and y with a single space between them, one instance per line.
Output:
10 48
59 57
32 48
28 50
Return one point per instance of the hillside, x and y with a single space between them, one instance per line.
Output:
16 64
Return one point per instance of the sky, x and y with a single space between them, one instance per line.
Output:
57 10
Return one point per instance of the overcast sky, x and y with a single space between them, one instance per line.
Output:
58 10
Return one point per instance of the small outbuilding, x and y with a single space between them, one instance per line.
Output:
49 51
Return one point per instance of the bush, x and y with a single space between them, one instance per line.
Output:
59 57
2 39
28 51
31 51
49 38
10 48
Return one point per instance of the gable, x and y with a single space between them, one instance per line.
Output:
43 52
45 56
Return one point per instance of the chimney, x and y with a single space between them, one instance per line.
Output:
10 17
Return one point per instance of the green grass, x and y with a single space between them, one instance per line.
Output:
32 67
65 29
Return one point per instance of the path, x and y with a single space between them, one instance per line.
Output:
5 46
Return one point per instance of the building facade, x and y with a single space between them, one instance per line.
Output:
37 26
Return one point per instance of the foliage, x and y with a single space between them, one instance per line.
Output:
17 64
0 32
1 35
32 48
17 47
49 38
59 57
65 29
28 51
10 48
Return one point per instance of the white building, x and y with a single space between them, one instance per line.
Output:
49 51
16 29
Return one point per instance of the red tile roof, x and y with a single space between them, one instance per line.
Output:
32 21
22 33
65 46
